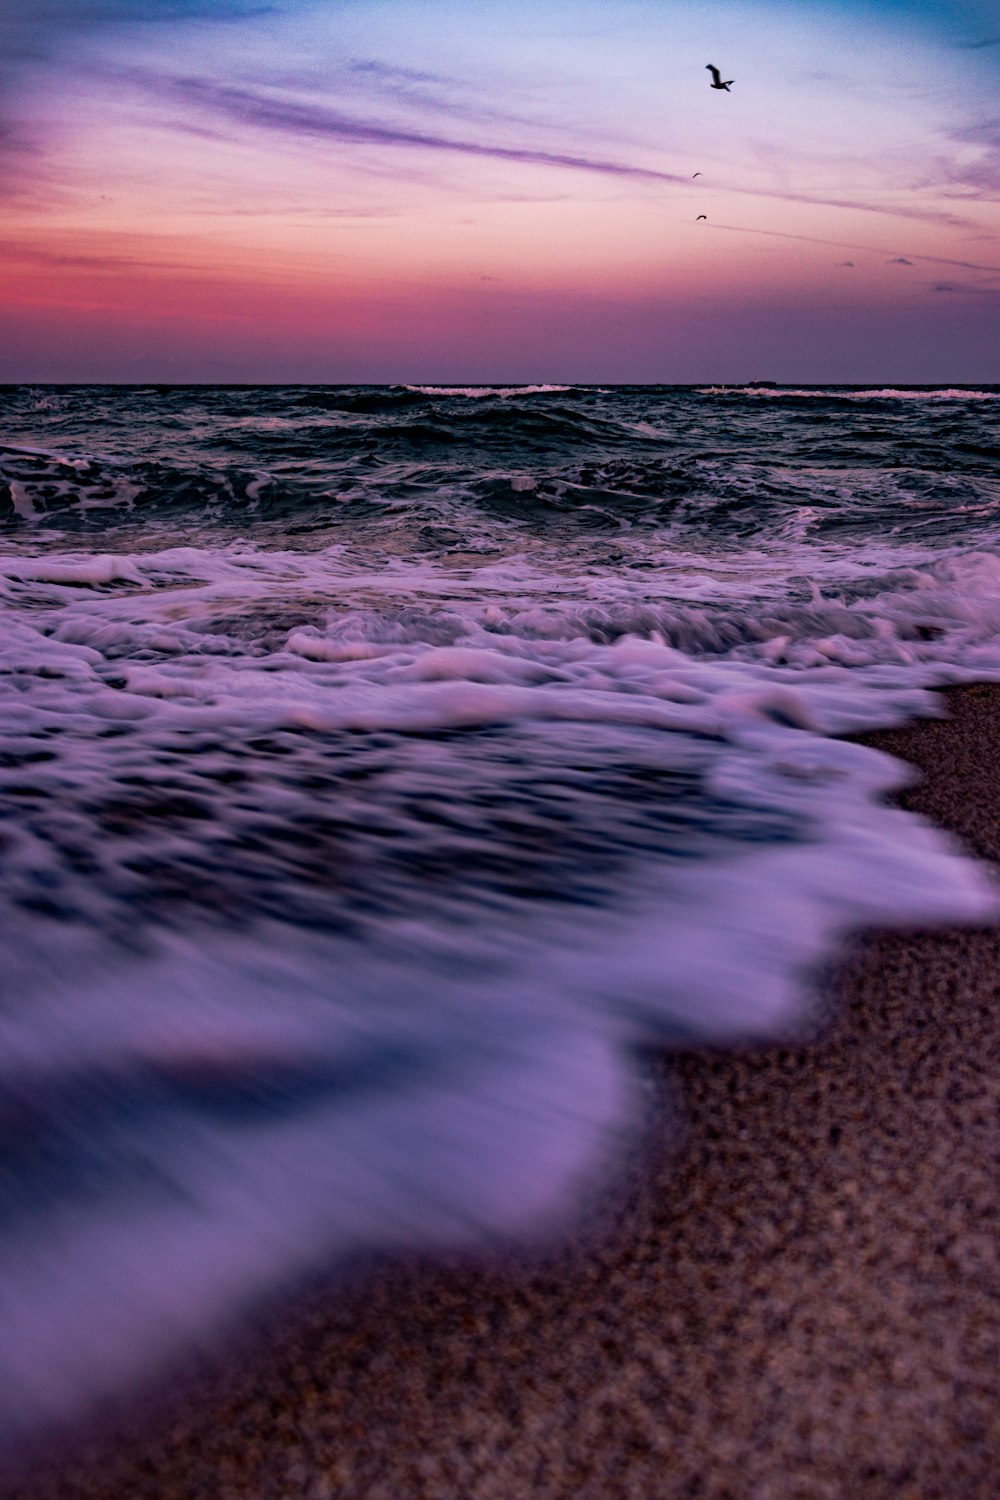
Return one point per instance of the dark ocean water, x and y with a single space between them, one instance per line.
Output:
380 768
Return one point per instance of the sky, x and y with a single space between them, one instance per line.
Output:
500 190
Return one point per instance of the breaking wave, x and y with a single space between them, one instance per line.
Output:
363 811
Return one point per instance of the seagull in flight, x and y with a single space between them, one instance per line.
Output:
701 216
694 175
717 80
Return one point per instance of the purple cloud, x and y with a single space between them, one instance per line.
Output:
252 107
983 175
248 107
34 33
34 29
393 74
965 286
811 239
24 253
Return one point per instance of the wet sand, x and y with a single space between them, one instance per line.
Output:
798 1300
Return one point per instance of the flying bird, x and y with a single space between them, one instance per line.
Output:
701 216
694 175
717 80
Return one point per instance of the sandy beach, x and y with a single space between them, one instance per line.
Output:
799 1299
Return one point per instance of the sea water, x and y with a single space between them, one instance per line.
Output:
381 769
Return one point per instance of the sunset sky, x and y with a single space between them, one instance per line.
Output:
497 190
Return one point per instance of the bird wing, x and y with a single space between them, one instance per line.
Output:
716 75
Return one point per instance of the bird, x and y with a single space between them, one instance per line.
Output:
701 216
694 175
717 79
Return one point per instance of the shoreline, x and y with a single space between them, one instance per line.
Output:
800 1297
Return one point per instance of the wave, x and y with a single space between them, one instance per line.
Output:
481 392
399 398
838 393
336 903
386 490
346 867
393 398
40 486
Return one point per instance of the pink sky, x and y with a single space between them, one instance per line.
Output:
416 190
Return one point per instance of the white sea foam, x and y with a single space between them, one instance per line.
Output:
342 878
478 391
836 393
513 1091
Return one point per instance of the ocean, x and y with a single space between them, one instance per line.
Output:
384 770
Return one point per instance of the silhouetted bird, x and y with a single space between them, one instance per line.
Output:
701 216
694 175
717 79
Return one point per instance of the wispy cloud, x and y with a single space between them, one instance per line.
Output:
391 73
34 33
412 88
33 255
31 30
984 133
303 118
944 217
981 177
258 109
16 143
965 286
22 172
18 252
809 239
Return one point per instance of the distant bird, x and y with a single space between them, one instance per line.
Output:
701 216
717 80
694 175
